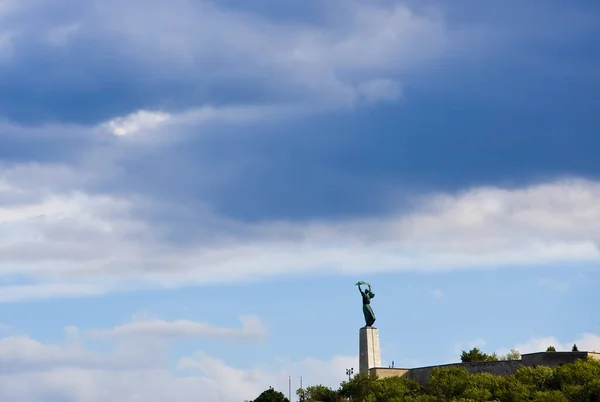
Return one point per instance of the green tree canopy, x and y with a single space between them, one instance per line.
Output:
270 395
513 355
318 393
476 355
368 389
578 382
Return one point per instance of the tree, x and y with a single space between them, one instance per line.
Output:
578 381
549 396
476 355
534 378
316 393
365 388
551 349
483 387
579 373
591 391
447 383
271 395
512 390
513 355
575 349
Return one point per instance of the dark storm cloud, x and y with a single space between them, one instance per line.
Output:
86 62
350 165
515 117
511 115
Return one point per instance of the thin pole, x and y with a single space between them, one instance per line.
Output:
290 391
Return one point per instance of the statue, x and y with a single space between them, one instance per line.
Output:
367 295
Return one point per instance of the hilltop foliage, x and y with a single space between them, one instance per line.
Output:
577 382
270 395
476 355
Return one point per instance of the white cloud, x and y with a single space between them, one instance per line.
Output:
21 353
141 120
32 371
162 127
586 342
252 330
73 243
382 90
16 293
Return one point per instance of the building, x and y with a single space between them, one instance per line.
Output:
501 367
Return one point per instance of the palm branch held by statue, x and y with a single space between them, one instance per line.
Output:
367 295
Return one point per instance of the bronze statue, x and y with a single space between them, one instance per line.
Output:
367 295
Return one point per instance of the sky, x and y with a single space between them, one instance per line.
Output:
189 190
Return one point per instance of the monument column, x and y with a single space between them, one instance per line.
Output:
369 353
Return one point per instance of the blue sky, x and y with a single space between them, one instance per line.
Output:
189 190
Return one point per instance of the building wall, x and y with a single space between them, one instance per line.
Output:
502 367
384 372
553 359
421 374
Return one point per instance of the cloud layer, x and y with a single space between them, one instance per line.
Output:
137 368
251 330
110 59
62 241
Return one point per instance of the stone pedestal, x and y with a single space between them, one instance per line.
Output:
370 355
